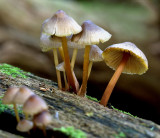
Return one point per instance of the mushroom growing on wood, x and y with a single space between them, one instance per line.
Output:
91 34
124 58
60 67
24 125
42 120
8 99
47 43
95 55
22 95
34 105
62 25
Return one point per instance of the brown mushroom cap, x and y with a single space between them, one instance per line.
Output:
48 42
24 125
95 54
34 105
91 34
60 24
137 62
42 119
9 95
22 95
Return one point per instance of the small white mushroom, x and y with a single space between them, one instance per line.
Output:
47 43
60 67
22 95
42 120
62 25
24 125
91 34
8 99
95 55
34 105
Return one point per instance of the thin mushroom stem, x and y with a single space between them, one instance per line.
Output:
44 130
65 81
89 68
69 72
57 71
75 50
61 52
16 112
82 90
114 79
26 116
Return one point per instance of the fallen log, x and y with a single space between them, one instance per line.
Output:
70 110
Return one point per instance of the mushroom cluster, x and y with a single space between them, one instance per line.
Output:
61 31
35 108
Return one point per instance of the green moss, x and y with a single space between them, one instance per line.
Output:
3 107
71 132
127 113
12 71
92 98
120 135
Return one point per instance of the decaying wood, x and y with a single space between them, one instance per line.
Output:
4 134
20 28
71 110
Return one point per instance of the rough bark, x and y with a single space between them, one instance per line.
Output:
82 113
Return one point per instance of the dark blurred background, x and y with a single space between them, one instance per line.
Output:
137 21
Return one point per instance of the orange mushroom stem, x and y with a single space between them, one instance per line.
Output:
69 72
75 51
61 52
16 112
114 79
82 90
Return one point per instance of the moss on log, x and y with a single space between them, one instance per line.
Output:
71 110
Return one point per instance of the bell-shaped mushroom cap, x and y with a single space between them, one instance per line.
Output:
22 95
137 62
60 24
9 95
24 125
34 105
95 54
60 67
48 42
91 34
42 119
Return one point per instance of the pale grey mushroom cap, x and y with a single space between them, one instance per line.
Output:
137 62
60 24
48 42
22 95
24 125
95 54
43 119
91 34
60 67
9 95
34 105
72 44
75 45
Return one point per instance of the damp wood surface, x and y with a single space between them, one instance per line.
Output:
71 110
